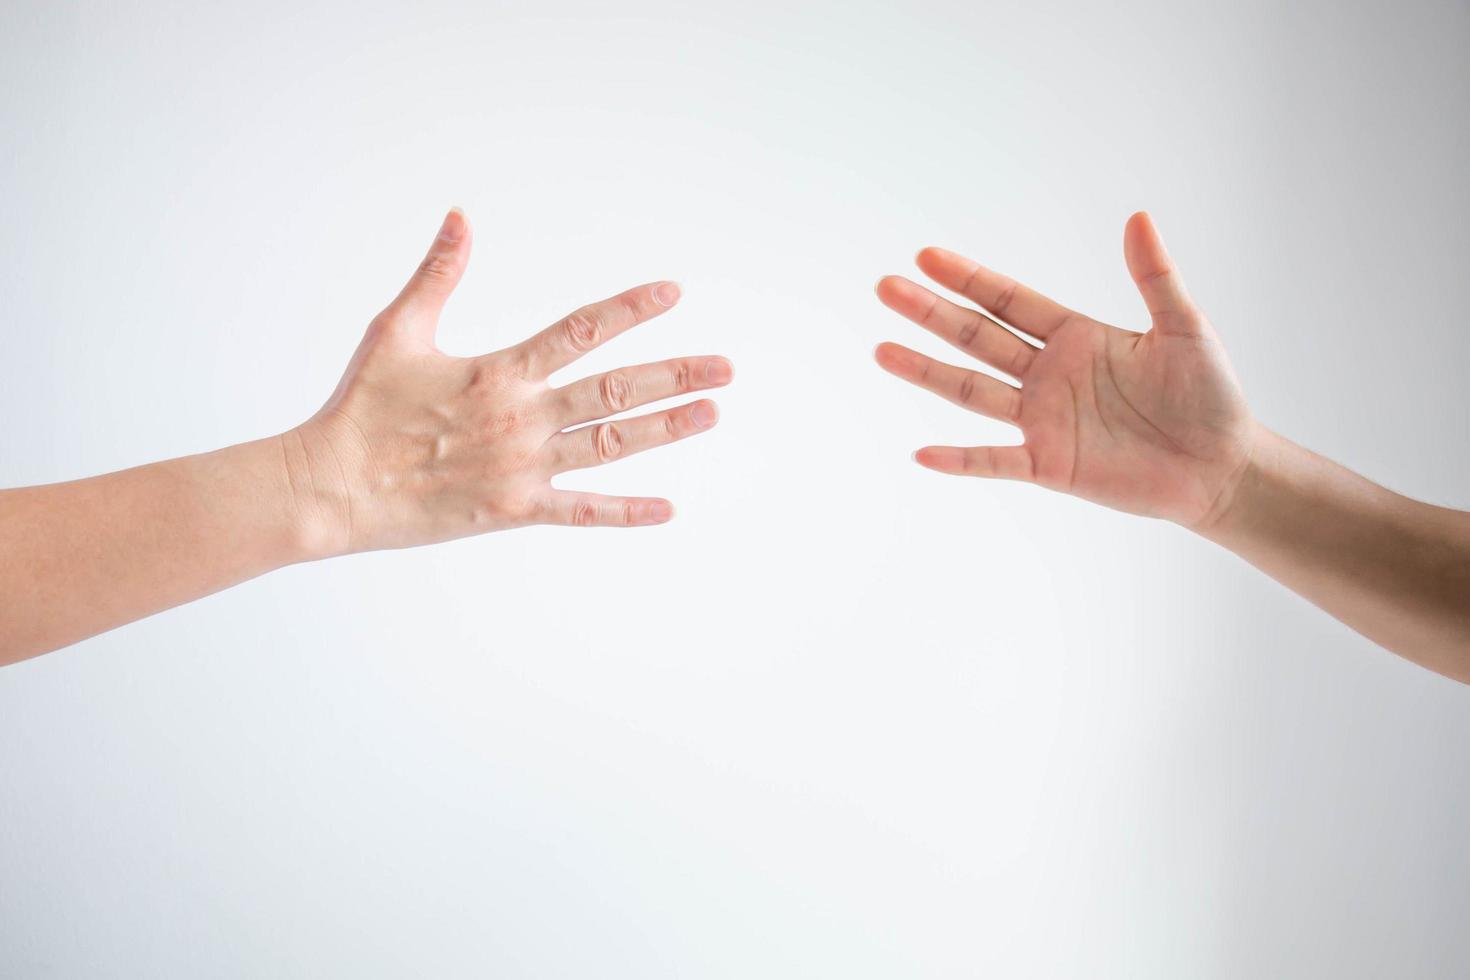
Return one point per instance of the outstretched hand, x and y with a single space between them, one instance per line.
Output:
416 446
1151 423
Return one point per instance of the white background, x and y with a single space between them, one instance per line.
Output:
844 717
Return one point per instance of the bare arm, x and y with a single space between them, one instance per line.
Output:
83 557
1394 569
1155 423
413 447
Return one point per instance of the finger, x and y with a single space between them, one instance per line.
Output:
968 389
993 462
1157 278
595 510
1005 299
974 333
577 333
593 445
617 391
422 300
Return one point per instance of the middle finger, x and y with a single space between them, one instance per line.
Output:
972 332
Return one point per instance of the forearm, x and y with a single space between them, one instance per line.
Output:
1394 569
80 558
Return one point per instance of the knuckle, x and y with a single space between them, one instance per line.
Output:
609 442
627 513
486 376
1013 406
584 514
968 333
527 459
615 391
967 388
509 508
522 511
582 330
683 376
929 311
382 328
383 321
671 425
1003 299
633 305
969 286
1021 362
504 422
1066 323
515 363
437 268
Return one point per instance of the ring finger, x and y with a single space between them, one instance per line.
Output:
593 445
970 389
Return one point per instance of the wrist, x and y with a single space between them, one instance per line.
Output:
247 496
318 507
1242 500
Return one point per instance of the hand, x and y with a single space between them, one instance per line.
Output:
1152 423
416 446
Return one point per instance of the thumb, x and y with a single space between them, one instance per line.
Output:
423 298
1158 281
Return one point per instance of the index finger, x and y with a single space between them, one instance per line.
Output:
1005 299
591 326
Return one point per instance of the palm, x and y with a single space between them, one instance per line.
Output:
1148 423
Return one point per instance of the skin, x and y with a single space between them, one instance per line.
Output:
1155 424
413 447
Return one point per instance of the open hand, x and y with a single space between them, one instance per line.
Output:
416 446
1152 423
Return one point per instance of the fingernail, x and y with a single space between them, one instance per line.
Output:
660 511
704 414
666 293
718 372
452 230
